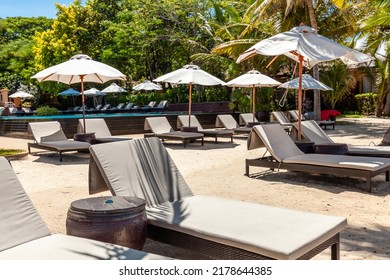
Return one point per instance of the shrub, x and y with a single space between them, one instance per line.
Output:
47 111
367 102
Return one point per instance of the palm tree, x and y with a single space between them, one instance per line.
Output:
376 28
282 15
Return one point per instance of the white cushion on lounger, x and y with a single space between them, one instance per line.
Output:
66 247
364 163
24 235
275 232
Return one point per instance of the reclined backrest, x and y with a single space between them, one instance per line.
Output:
277 141
46 131
183 120
246 118
20 222
140 167
98 126
162 104
158 125
280 117
311 131
129 106
226 121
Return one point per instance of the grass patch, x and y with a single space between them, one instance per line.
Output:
351 116
10 152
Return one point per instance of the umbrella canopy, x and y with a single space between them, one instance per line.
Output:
93 92
192 75
114 88
79 69
147 86
253 79
69 92
21 94
308 82
304 45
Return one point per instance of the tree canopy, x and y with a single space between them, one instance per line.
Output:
145 39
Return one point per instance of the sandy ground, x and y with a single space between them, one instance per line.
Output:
218 169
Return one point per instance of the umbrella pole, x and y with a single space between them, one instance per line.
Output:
253 102
300 96
82 100
189 106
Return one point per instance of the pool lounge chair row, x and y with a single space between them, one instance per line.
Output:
191 129
284 154
49 136
121 107
25 236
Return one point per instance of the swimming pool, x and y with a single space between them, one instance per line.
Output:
79 116
118 123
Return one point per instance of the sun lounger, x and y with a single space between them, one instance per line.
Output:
162 129
162 105
247 119
105 108
50 136
96 109
286 155
228 122
216 227
128 107
311 131
24 235
117 108
100 129
324 124
183 120
282 119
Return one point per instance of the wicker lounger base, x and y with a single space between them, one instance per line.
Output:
185 137
48 148
242 130
217 133
214 250
269 162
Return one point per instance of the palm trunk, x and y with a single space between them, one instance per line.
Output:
316 72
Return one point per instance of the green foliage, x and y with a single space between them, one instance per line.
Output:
146 38
10 152
16 44
367 102
47 111
240 101
340 80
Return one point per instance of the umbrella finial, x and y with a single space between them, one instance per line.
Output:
81 56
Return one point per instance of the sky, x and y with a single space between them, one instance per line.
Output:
30 8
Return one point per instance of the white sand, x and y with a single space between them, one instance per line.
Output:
218 169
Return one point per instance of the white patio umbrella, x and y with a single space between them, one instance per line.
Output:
21 94
70 92
79 69
93 92
253 79
308 82
114 88
192 75
147 86
304 45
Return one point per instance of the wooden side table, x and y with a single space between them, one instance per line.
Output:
114 219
